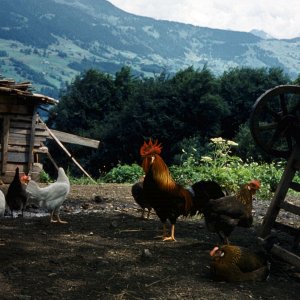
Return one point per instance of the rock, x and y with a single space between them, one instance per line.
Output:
113 224
146 254
85 206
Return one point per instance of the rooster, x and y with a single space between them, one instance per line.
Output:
52 196
169 199
138 195
224 214
233 263
16 196
2 204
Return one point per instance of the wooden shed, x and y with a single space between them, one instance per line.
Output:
22 131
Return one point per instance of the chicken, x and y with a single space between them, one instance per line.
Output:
224 214
165 196
137 194
203 191
52 196
16 196
2 204
233 263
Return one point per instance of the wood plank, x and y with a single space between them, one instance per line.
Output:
286 228
27 132
32 138
25 118
295 186
25 125
24 140
67 152
5 138
290 208
17 148
16 157
281 191
286 255
15 109
11 167
75 139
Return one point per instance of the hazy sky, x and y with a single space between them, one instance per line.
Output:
279 18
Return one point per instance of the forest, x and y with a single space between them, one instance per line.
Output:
183 111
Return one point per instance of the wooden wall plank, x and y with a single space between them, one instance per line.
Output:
15 109
16 157
27 131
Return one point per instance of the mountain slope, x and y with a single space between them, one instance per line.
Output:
49 42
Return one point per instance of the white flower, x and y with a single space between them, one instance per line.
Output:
232 143
217 140
206 158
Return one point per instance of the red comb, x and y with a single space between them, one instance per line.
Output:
255 184
150 148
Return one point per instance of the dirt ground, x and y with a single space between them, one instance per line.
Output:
107 252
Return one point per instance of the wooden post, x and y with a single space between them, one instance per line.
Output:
281 191
6 125
32 138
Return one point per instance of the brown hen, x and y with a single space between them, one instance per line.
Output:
233 263
224 214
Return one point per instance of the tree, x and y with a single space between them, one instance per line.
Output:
240 87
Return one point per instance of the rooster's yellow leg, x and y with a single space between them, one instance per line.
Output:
172 237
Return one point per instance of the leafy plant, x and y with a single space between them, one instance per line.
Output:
124 174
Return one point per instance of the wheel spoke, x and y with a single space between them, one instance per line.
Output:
273 139
267 126
283 104
272 113
289 142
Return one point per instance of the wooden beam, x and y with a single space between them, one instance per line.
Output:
281 191
32 138
286 255
5 137
290 208
75 139
66 151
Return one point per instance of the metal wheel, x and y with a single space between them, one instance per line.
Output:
275 120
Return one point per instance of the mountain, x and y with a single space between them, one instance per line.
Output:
262 34
49 42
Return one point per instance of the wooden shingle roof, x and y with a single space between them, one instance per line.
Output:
23 90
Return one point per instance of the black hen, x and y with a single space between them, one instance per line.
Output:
203 191
16 196
140 199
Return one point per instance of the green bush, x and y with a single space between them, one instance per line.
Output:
124 174
219 165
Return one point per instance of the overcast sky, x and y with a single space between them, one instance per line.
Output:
279 18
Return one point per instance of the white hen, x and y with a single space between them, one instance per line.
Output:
52 196
2 204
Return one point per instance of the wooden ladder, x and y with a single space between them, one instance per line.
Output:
278 202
